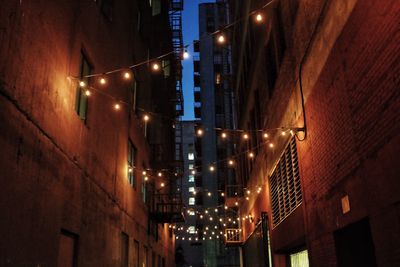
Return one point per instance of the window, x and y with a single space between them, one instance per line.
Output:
67 249
156 7
191 201
191 179
299 259
192 213
133 90
217 78
124 250
81 102
191 189
191 156
144 188
191 166
166 66
285 184
192 229
136 254
146 256
132 151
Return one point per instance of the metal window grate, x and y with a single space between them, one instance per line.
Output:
285 184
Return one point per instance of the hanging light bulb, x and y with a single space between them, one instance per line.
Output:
162 184
185 54
231 162
155 66
82 84
251 155
159 174
245 136
87 93
223 135
146 117
127 75
130 169
271 145
265 135
248 192
283 133
259 18
209 194
222 194
212 168
199 132
103 81
144 172
146 178
193 172
117 106
221 39
226 207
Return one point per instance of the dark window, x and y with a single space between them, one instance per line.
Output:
136 258
132 151
124 250
67 249
354 245
81 103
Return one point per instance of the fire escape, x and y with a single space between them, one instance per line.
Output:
167 206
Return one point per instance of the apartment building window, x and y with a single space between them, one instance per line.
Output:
285 186
299 259
132 152
191 201
136 258
124 250
190 166
191 189
192 229
81 103
191 179
67 249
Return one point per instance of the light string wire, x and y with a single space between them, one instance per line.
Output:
226 27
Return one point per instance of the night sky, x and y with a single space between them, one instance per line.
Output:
190 33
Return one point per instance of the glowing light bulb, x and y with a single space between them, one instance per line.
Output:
259 17
82 84
212 168
222 194
156 67
247 198
130 169
248 192
146 117
271 145
127 75
193 172
265 135
162 184
159 174
226 207
185 55
103 81
87 93
209 194
251 155
283 133
236 203
144 172
146 178
221 39
216 210
245 136
230 162
199 132
223 135
117 106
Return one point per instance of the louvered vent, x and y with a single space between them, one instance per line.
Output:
285 184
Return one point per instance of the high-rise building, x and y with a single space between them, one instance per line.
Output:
317 91
214 109
87 122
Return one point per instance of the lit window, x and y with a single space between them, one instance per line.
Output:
191 178
191 166
191 201
299 259
218 78
191 189
191 156
132 151
192 230
82 98
192 213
